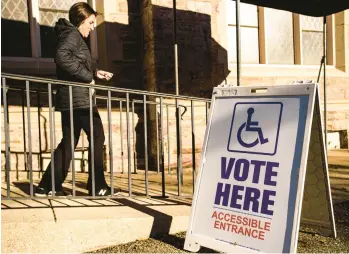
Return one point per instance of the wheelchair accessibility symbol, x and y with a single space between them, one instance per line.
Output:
249 126
255 127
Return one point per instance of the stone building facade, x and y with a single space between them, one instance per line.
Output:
134 40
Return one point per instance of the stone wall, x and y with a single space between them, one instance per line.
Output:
337 89
119 137
135 42
119 41
342 37
202 61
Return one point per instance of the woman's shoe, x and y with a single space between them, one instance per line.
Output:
42 193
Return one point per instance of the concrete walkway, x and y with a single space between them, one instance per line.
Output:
82 225
338 161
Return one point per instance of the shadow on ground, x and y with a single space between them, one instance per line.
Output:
308 242
163 243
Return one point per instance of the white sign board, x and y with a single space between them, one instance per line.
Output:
249 191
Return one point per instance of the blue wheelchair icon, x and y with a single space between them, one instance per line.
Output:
250 126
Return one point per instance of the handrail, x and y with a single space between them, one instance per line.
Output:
100 97
155 124
100 87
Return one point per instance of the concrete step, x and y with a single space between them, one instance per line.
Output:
83 225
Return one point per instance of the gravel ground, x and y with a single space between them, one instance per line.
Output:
308 242
311 242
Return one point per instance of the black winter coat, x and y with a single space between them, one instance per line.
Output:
73 63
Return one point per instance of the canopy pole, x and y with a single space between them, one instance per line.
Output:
238 41
178 111
325 92
175 46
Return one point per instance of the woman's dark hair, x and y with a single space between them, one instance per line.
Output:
79 12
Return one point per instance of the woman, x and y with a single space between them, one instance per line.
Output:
73 63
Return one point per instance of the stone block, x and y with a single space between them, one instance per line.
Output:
339 18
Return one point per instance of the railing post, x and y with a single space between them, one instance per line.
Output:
193 144
145 145
110 135
38 92
168 141
179 148
134 139
128 144
30 162
24 133
162 151
51 138
92 146
83 153
157 139
72 136
7 138
121 140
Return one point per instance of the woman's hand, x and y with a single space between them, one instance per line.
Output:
104 75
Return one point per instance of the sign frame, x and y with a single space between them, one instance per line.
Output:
193 241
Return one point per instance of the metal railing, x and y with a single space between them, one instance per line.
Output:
152 107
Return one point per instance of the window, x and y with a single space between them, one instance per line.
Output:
278 36
28 27
249 33
312 39
50 11
270 36
15 28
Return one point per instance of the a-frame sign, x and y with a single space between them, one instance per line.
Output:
263 157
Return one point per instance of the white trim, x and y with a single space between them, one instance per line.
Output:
93 36
26 59
331 40
262 43
30 59
293 66
227 13
31 65
295 72
297 39
34 21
